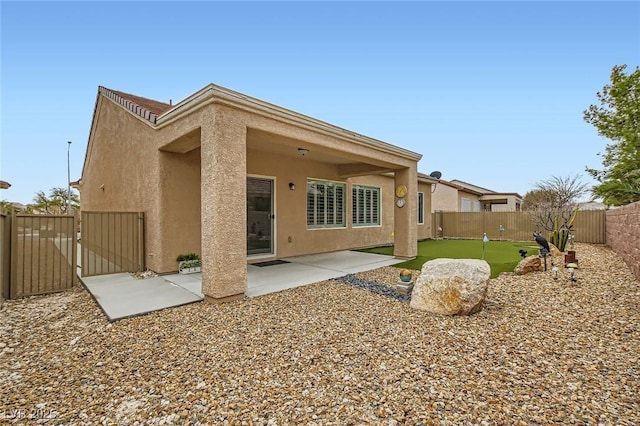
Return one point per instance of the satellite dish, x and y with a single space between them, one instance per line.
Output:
436 175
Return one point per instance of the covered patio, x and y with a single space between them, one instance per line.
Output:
237 181
236 188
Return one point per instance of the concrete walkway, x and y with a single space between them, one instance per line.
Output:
121 295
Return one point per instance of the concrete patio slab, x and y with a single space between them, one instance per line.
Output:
122 296
303 270
190 282
346 261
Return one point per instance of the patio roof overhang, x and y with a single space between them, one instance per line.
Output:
354 154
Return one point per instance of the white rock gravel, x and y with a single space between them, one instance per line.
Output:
540 352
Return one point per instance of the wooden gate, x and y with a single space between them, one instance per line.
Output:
112 242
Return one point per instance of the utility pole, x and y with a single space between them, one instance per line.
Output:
68 178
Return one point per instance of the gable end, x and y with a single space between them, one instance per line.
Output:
145 108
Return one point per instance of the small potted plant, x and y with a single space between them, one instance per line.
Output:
189 263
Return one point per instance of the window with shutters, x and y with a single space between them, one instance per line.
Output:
365 205
325 204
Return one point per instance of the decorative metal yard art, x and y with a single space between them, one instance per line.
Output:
544 246
405 275
485 240
405 285
572 271
555 270
501 229
570 238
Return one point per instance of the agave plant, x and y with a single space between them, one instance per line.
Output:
562 234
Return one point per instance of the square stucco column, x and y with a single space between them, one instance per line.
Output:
223 207
406 218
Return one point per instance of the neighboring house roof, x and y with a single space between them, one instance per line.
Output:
459 187
468 189
145 108
4 184
427 179
482 191
471 186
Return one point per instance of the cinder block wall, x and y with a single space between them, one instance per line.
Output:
623 234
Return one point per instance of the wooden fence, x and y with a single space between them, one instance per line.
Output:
112 242
5 258
40 253
589 225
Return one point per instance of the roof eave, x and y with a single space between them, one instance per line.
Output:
217 94
427 179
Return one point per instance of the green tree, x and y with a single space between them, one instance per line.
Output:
42 203
7 206
56 202
617 117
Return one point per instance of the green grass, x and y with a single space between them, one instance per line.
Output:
502 256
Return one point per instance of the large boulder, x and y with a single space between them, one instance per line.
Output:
451 286
527 265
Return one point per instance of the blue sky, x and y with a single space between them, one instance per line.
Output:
491 93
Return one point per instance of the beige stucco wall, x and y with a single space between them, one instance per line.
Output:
497 203
502 208
118 162
121 173
515 204
445 199
473 199
293 238
125 159
180 202
424 229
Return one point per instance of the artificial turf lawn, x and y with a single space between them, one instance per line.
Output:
502 256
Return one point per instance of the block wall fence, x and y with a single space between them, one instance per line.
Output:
623 234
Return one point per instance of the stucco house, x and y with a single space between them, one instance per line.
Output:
459 196
239 180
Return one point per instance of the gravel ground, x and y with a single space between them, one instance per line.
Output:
540 352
